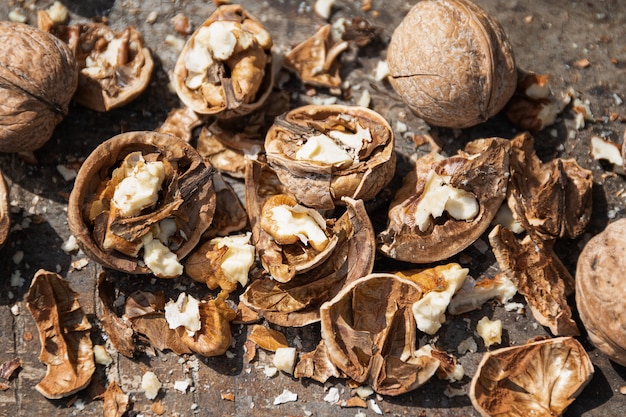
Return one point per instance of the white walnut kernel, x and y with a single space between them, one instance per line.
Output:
150 385
185 312
140 185
285 359
239 257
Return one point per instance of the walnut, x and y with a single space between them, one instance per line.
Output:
114 67
142 192
539 378
322 153
452 63
598 290
39 77
225 68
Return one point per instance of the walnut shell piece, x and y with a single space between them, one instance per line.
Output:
451 63
38 76
477 175
539 378
185 200
225 68
64 330
114 67
598 290
5 215
322 153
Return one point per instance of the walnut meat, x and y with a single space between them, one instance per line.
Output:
39 77
225 68
142 193
451 63
322 153
599 290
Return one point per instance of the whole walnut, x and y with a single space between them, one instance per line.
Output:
451 63
600 290
38 78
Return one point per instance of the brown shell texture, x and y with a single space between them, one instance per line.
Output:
599 288
463 87
5 215
481 170
198 206
38 77
536 379
321 185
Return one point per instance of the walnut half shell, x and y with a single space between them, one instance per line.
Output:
477 175
537 379
186 197
322 153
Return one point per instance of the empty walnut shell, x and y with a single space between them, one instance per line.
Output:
320 184
599 287
114 67
481 170
225 79
187 195
537 379
39 77
451 63
370 332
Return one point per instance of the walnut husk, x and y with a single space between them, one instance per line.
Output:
105 85
64 331
38 76
452 63
187 195
480 169
321 185
598 290
539 378
240 83
370 333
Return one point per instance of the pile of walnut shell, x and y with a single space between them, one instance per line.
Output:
301 249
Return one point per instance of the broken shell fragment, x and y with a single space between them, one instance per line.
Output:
598 290
539 276
322 153
5 215
140 203
370 333
114 67
552 199
64 330
533 107
225 68
445 204
540 378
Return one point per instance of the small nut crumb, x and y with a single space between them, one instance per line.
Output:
101 356
152 17
323 8
16 309
17 16
58 12
622 389
18 257
490 331
582 63
176 42
182 25
150 385
70 245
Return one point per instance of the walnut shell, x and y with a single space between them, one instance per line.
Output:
599 290
452 63
5 215
322 185
539 378
187 187
39 77
234 85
